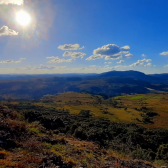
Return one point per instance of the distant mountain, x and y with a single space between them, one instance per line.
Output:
31 76
153 78
133 74
163 76
107 84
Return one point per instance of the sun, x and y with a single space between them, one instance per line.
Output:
23 18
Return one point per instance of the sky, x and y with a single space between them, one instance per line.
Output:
83 36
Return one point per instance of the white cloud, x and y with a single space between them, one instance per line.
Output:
121 61
107 62
41 67
141 62
128 55
48 67
51 57
70 47
92 66
166 66
111 51
11 61
143 55
5 31
148 64
20 60
58 60
114 57
107 50
6 61
164 53
74 54
94 57
82 48
125 48
143 59
16 2
148 60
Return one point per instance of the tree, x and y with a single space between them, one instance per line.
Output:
85 113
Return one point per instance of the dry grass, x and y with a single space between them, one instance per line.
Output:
19 160
157 102
70 100
15 124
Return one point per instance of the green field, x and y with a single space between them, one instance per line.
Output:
124 111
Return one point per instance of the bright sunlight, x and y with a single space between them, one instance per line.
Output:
23 18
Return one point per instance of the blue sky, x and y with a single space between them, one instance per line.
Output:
84 36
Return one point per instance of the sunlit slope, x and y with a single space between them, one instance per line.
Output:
117 109
155 102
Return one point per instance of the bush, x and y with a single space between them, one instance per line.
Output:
85 113
162 153
143 154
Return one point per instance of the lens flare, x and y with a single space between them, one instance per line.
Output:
23 18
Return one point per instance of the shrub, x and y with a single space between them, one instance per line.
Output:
85 113
162 153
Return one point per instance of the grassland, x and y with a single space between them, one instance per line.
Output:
61 140
75 102
156 102
125 111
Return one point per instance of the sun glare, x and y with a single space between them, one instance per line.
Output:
23 18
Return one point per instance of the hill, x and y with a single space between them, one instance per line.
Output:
108 84
133 74
163 76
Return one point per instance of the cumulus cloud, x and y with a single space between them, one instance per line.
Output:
114 57
141 62
16 2
58 60
94 57
11 61
107 50
143 55
51 57
148 60
111 51
128 55
164 53
107 62
5 31
74 54
149 64
125 48
70 47
6 61
121 61
20 60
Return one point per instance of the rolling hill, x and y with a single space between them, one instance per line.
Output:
108 84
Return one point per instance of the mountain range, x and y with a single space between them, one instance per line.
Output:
108 84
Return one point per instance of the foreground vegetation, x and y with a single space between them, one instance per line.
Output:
57 124
28 144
